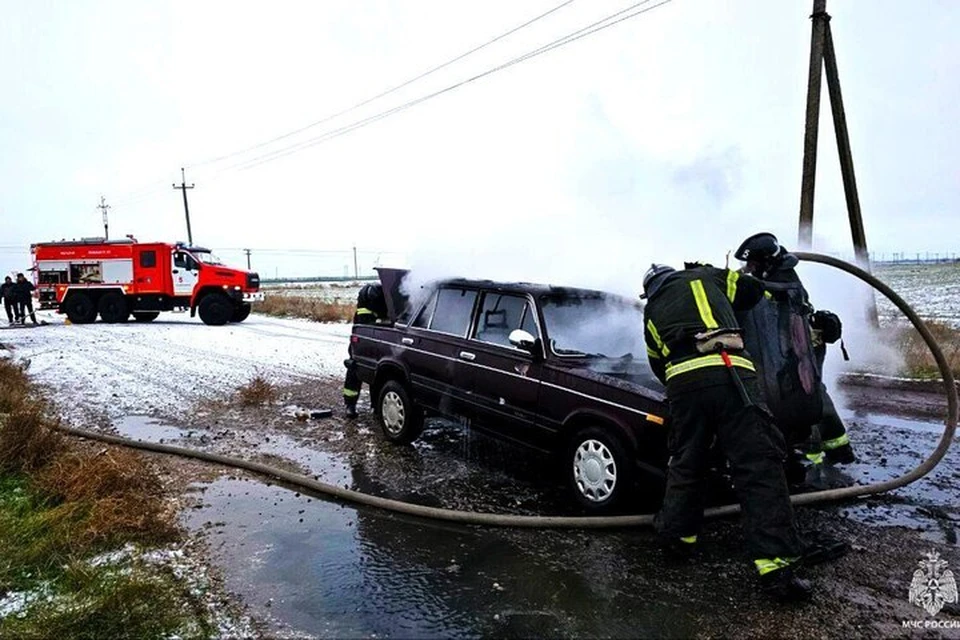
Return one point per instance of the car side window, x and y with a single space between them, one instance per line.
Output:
499 315
530 321
453 311
180 260
148 259
423 318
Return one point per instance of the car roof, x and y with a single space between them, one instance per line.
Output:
526 287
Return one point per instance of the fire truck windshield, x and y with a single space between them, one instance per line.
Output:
206 257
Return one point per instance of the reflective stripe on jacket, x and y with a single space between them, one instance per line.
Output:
694 301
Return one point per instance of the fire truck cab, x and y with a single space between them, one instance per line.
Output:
123 278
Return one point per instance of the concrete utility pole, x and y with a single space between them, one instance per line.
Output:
247 251
186 209
356 270
103 206
823 56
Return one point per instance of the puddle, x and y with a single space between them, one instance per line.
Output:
147 429
337 571
329 467
894 422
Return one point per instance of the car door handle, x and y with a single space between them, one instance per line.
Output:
466 355
406 341
176 270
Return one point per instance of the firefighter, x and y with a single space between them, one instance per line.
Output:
23 293
371 308
695 349
9 302
769 261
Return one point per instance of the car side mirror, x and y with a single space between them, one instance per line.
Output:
522 340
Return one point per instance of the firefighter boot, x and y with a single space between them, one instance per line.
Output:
679 549
841 455
819 547
783 585
350 407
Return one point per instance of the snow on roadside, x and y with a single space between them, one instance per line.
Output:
167 364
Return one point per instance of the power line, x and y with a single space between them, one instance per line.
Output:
583 32
387 91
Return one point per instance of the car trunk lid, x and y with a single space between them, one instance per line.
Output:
391 280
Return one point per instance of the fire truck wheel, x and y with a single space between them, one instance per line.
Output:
216 309
241 312
113 308
145 316
80 309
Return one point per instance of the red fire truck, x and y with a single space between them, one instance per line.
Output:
120 278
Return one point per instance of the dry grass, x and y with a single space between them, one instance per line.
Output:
302 307
918 361
103 494
13 386
27 441
121 496
257 393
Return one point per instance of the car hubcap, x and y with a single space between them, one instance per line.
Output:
594 470
393 412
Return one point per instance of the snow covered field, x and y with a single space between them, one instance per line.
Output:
932 289
136 368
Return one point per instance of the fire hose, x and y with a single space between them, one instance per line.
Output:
309 484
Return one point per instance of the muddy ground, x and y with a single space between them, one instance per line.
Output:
310 567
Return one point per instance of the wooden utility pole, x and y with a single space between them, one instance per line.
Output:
247 251
103 206
823 56
812 130
186 209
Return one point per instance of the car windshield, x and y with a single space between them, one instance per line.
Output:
206 257
594 324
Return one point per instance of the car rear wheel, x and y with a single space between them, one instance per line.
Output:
599 469
216 309
113 308
80 309
400 419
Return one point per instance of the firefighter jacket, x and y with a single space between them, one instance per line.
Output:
689 302
22 290
370 305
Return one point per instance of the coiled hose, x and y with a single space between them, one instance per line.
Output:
307 483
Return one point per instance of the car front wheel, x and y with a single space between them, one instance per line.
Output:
400 419
600 472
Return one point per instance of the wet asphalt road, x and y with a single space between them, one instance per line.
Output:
317 568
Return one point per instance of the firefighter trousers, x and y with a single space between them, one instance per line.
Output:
24 308
351 385
754 448
833 433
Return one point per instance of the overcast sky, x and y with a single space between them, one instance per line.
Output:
669 136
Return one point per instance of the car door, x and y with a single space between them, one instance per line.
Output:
502 381
185 273
435 343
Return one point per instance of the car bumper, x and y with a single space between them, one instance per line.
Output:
254 297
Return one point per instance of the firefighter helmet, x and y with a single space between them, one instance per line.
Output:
765 250
653 278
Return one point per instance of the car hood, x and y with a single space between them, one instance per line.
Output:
629 375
